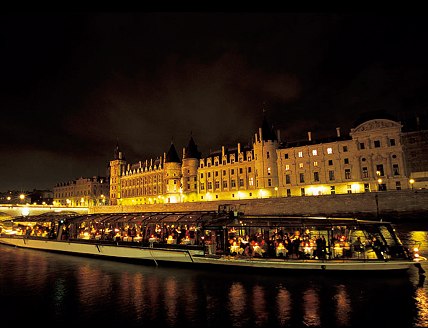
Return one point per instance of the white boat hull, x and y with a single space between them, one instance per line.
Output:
197 257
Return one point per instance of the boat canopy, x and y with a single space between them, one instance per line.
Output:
141 218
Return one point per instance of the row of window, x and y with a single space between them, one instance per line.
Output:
225 184
224 162
365 174
232 172
362 145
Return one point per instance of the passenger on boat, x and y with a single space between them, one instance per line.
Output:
378 248
281 251
321 247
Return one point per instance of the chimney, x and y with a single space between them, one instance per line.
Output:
239 148
184 152
278 134
338 132
260 133
222 151
309 136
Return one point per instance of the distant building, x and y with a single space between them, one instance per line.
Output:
82 192
416 152
371 158
41 197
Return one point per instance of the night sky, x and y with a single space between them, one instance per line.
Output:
73 85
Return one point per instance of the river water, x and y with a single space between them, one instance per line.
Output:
40 288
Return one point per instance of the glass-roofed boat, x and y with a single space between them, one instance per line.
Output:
219 238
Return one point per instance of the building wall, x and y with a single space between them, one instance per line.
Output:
402 204
82 192
371 159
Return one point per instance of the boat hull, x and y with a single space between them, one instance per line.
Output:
181 256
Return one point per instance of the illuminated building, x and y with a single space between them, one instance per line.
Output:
370 159
86 192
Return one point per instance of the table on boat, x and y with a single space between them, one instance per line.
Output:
236 249
281 250
258 250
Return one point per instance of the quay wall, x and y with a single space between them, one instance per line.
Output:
400 205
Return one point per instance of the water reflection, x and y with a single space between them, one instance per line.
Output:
79 291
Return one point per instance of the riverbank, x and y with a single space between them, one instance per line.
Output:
395 206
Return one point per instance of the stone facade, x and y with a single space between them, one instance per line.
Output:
370 159
85 192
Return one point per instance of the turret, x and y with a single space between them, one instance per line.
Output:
191 157
172 169
265 147
117 167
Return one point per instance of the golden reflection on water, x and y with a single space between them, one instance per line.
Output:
237 300
283 304
170 299
259 305
343 307
421 299
139 296
153 297
311 304
145 295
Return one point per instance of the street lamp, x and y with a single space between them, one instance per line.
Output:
379 181
412 181
276 191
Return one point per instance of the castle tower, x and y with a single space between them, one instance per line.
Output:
117 166
265 156
191 157
172 176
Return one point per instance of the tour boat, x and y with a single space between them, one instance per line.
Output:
224 238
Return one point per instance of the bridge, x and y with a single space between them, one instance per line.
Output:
8 211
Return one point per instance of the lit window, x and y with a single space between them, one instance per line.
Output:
287 167
251 182
301 165
300 154
315 163
329 150
268 171
314 152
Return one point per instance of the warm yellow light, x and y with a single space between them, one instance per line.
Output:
8 197
315 191
25 211
412 181
355 187
22 196
379 181
276 188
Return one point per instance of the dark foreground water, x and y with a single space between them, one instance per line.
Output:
45 289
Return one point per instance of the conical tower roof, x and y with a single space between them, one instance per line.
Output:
172 156
192 150
268 132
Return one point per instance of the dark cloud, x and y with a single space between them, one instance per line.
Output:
72 85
